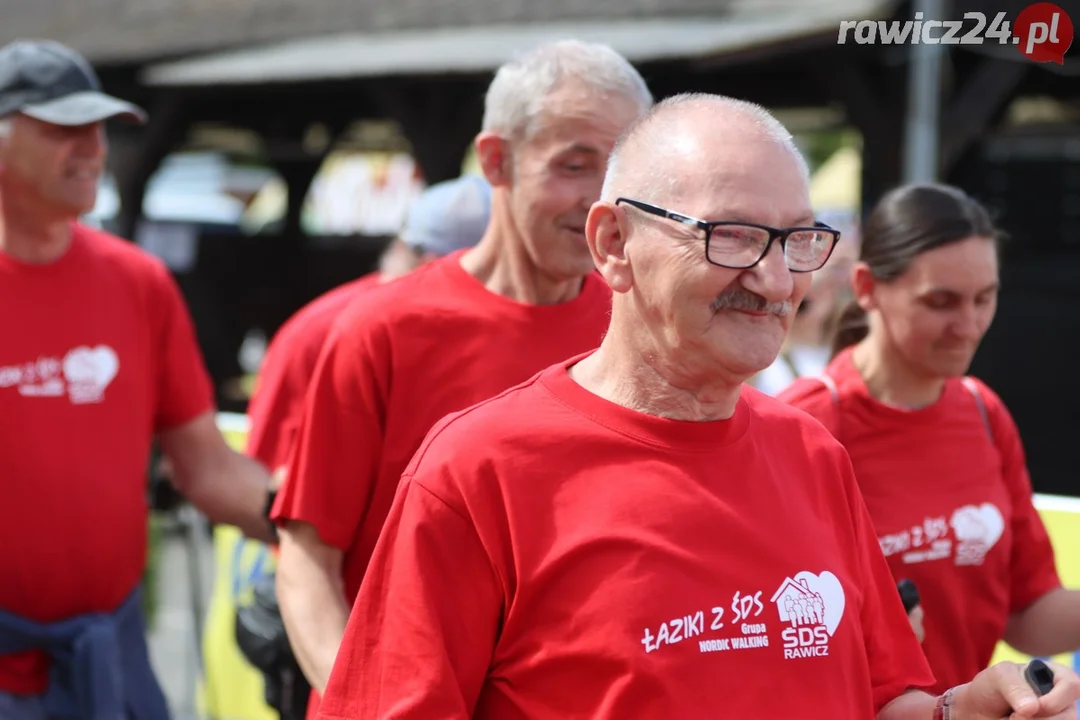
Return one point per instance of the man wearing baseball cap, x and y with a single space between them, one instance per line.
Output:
49 82
99 359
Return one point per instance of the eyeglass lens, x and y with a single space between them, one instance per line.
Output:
742 246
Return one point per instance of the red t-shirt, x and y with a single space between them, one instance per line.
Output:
98 354
398 359
277 405
553 555
952 507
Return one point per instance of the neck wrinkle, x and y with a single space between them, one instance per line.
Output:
635 374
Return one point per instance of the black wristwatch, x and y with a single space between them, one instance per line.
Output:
271 496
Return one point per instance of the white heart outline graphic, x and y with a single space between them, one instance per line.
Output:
832 596
978 523
98 365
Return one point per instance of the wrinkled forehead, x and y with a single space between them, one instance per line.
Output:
573 115
765 185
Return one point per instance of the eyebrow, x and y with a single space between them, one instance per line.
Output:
579 148
947 291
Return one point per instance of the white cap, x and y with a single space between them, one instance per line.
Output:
449 216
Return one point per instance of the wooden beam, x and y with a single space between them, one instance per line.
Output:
772 87
168 123
982 99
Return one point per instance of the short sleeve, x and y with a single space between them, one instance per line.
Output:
895 658
815 398
1033 572
277 404
333 467
423 630
184 388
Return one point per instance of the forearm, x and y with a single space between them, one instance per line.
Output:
313 606
234 494
912 705
1049 626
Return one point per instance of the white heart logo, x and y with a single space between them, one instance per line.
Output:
97 366
89 372
978 523
831 591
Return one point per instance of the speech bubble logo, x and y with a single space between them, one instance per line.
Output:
1043 32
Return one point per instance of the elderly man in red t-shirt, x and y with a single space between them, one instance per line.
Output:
634 533
98 358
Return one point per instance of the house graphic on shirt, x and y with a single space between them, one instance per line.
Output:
798 604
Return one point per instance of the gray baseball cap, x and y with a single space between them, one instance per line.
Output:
52 83
449 216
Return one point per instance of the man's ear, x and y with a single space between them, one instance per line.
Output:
606 231
863 283
493 155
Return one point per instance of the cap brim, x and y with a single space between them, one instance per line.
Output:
83 108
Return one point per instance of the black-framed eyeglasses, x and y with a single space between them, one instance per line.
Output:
741 246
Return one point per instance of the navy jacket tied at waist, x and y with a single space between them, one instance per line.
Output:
100 663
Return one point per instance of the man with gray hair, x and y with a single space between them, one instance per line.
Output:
456 332
634 533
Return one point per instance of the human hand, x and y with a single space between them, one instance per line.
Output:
1001 691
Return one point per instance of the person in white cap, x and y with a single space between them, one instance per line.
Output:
99 358
456 332
447 217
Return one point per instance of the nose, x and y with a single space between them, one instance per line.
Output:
90 140
967 325
770 278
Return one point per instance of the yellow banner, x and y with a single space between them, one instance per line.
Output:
232 688
1061 515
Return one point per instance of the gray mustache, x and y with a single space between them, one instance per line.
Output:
748 301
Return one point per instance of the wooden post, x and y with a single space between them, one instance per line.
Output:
981 101
169 121
873 99
439 116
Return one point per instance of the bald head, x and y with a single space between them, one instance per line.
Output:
687 139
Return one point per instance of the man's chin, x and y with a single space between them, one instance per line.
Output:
747 368
77 207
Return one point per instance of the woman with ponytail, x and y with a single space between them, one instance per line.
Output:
937 455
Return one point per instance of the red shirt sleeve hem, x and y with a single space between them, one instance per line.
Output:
334 535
